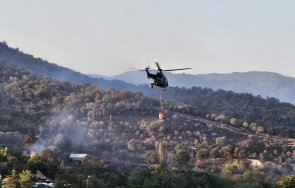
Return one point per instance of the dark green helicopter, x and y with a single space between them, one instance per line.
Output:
159 79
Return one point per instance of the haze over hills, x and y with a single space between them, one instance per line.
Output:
257 83
266 84
39 111
75 124
54 119
270 112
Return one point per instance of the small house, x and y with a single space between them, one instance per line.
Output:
78 158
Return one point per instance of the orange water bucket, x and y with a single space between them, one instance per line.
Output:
162 116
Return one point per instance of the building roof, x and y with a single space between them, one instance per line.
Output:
78 155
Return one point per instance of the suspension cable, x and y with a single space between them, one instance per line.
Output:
161 101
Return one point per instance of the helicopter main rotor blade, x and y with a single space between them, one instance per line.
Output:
145 69
177 69
159 68
148 68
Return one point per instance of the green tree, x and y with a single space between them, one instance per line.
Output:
152 158
12 180
3 154
230 170
26 179
226 151
286 182
215 152
35 163
252 179
239 152
181 156
202 153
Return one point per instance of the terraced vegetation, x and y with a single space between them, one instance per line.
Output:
127 145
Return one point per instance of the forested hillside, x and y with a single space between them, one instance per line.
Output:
119 130
14 58
31 101
276 117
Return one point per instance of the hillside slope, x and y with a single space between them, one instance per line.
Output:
119 129
13 58
270 113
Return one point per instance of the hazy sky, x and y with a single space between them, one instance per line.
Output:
108 37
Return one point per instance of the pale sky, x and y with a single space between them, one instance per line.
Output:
108 37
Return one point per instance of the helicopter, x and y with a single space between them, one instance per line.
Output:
159 79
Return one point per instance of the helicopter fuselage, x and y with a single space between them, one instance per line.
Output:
159 79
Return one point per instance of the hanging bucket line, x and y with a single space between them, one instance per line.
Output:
161 101
162 116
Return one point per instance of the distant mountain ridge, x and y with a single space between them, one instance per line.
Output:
266 84
13 58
